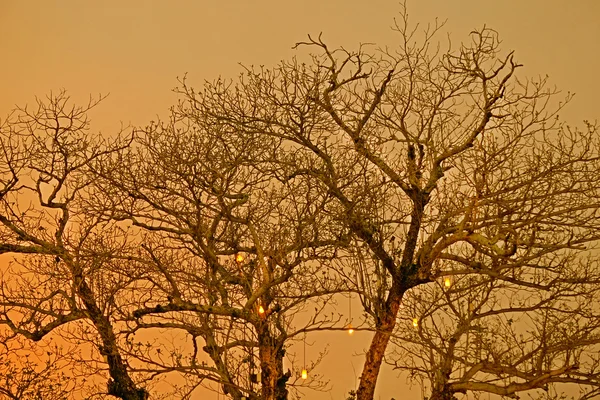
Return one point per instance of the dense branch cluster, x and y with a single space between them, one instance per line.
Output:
436 185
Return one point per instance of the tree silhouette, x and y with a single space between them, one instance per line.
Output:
66 273
439 163
231 254
433 182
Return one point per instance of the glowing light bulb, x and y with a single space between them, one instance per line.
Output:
415 322
239 258
447 282
304 374
261 310
350 330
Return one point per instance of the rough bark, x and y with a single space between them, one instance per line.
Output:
442 394
379 343
271 353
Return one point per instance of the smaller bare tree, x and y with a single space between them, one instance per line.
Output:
485 335
65 273
231 253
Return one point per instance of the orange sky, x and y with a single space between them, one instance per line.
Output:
135 49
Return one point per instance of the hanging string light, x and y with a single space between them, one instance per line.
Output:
447 282
304 371
261 310
350 328
239 258
415 322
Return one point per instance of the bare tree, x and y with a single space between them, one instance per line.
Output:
439 163
482 334
173 231
382 172
65 277
231 254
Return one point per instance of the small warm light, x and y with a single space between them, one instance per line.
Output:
447 282
239 258
261 310
350 330
304 374
415 322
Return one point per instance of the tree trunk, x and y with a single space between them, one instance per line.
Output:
379 343
273 379
442 394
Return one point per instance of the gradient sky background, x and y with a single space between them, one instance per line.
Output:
134 50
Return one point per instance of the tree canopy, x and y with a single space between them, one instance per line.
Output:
435 184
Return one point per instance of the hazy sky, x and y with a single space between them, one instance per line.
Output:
134 50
